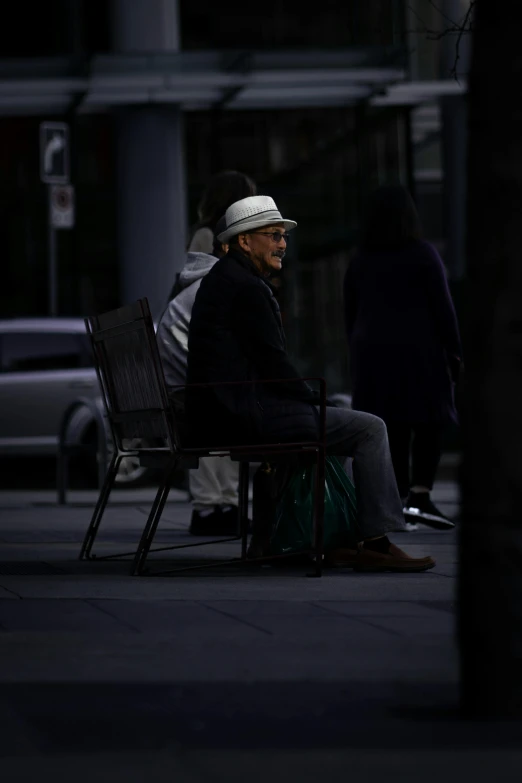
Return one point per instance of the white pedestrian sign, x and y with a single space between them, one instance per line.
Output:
62 206
54 153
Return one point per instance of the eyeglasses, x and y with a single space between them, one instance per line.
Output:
277 236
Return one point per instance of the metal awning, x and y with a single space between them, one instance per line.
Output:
415 93
199 80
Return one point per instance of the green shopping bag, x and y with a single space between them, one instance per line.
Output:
293 528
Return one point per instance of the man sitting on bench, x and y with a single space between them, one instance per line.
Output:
236 334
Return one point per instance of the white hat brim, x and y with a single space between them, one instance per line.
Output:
255 222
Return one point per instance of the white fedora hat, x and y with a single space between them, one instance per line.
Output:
250 213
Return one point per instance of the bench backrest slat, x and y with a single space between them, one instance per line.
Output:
131 376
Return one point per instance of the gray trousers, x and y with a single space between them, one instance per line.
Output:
364 437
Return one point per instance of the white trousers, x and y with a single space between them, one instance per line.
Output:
214 483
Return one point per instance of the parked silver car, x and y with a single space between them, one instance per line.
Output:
45 365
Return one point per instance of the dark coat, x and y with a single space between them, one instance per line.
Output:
236 334
403 335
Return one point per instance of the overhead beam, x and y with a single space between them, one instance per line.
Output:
206 80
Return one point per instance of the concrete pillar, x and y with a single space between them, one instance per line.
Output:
152 215
454 142
146 26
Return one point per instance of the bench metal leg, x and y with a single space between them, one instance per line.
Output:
153 519
244 477
319 512
103 498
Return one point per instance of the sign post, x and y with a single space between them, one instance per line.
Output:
54 171
52 272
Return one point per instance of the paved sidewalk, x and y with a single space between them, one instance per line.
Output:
228 674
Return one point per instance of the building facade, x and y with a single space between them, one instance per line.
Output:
161 94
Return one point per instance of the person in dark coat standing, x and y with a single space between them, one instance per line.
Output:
236 334
404 344
224 189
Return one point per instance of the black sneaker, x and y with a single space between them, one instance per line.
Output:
229 523
205 524
419 508
229 515
218 523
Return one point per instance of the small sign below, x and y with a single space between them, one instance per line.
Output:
62 206
54 152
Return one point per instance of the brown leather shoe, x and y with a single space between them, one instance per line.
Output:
340 558
394 560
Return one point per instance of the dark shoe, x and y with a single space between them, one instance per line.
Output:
393 560
230 521
419 508
215 524
206 524
409 526
218 523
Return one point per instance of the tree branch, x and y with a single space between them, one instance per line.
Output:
464 28
455 28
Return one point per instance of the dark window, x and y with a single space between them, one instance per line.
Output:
56 27
28 351
86 348
289 24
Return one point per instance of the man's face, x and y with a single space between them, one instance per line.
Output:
263 249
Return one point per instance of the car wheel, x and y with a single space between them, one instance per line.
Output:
82 428
131 473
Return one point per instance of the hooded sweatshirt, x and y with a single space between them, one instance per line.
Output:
173 328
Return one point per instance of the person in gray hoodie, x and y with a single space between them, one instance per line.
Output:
214 485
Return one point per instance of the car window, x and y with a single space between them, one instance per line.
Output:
32 351
85 341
